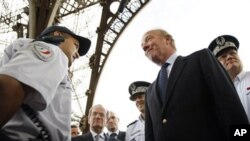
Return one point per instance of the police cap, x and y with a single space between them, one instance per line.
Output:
223 42
84 43
137 88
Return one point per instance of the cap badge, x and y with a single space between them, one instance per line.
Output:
220 41
140 89
133 87
43 52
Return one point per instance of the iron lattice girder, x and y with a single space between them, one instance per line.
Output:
67 7
73 6
9 20
108 33
117 25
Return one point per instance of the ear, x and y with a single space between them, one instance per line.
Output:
168 40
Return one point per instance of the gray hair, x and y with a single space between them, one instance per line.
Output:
164 33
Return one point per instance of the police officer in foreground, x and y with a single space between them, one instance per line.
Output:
135 130
35 93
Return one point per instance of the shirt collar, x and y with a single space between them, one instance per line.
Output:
240 76
94 134
172 59
109 133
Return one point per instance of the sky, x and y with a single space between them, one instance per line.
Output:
193 24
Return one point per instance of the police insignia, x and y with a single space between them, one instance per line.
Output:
220 41
42 52
133 87
248 88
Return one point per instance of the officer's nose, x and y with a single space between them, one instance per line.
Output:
228 56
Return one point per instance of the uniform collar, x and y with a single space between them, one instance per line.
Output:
140 118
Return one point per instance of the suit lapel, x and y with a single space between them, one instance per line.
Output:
119 136
154 94
89 136
174 75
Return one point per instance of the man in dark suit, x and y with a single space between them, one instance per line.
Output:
192 98
97 119
112 126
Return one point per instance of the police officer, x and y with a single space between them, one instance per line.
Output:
225 48
35 93
135 130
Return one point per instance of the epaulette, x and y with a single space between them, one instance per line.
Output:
132 123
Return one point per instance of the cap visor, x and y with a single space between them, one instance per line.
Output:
84 45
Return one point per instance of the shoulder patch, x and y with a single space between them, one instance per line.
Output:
132 123
42 51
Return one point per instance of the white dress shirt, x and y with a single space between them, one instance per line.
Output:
242 85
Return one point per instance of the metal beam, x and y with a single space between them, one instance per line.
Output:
108 33
54 12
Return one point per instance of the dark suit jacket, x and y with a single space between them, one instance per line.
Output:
88 137
201 102
120 136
